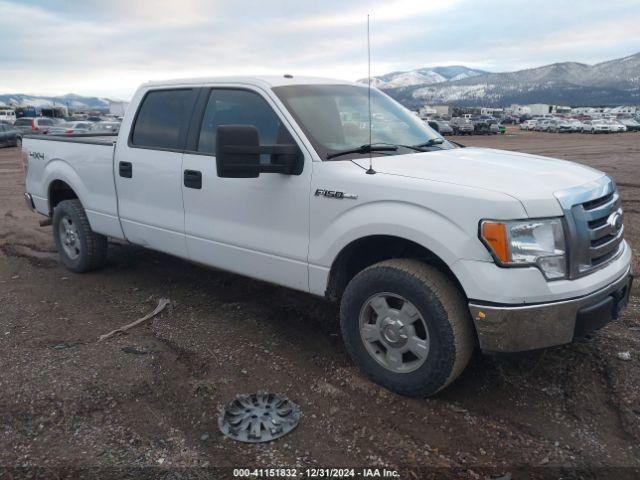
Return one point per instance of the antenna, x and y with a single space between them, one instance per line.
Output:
371 171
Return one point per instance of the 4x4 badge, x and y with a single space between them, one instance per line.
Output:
321 192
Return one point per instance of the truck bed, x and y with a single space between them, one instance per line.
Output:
82 160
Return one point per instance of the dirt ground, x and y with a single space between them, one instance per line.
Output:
68 402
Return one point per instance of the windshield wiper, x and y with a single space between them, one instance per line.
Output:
367 148
430 143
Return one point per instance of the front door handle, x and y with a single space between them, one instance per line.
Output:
193 179
125 169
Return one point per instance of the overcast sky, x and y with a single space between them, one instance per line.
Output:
108 47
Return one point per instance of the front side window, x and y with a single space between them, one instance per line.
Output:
160 120
240 107
336 118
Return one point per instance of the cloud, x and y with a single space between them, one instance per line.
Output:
107 48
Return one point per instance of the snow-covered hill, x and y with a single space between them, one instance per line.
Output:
72 101
612 82
423 76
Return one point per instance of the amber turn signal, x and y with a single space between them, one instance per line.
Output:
495 236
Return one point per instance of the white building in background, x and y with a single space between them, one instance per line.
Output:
492 111
427 111
518 110
621 109
585 110
539 109
117 107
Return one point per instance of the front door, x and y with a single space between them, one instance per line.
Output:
253 226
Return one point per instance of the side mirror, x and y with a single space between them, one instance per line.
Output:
238 153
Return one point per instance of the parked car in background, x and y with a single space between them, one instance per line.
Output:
10 136
34 125
560 126
94 119
8 115
596 126
631 124
496 128
576 125
508 120
616 126
528 125
69 128
482 124
462 126
439 126
114 127
542 125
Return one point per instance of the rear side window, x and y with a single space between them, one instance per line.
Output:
240 107
161 118
45 121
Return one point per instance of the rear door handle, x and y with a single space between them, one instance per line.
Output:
125 169
193 179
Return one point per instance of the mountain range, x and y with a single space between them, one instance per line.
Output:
423 76
71 100
613 82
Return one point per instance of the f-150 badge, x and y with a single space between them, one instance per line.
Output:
321 192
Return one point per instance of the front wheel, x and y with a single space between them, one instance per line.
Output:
407 326
80 248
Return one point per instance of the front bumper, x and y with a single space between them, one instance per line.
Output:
503 328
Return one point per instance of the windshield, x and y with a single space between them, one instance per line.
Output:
336 118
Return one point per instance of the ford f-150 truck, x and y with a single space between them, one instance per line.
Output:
432 249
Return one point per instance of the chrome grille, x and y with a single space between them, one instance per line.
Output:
593 217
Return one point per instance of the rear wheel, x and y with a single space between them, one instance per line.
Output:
80 248
407 326
19 142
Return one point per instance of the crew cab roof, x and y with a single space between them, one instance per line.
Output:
265 81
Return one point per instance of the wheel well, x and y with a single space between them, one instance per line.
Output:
59 191
367 251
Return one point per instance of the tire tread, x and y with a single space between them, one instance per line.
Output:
461 334
94 243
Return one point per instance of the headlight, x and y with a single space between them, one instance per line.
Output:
538 243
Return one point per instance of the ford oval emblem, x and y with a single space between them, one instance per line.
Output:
615 221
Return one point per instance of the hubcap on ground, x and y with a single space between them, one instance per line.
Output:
69 237
394 332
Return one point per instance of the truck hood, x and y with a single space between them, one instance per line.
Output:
532 179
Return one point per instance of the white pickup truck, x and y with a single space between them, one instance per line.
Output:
432 249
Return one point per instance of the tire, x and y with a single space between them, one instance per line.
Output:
440 317
19 142
80 248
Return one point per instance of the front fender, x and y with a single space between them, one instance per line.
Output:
416 223
421 225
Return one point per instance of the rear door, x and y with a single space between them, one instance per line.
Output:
148 171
